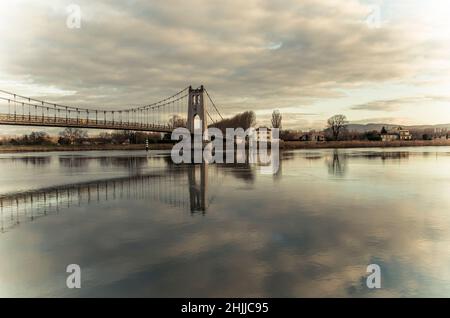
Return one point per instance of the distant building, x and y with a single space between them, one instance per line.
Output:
304 137
263 134
318 137
395 134
313 136
440 133
389 137
404 134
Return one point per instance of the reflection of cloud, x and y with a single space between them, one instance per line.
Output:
234 261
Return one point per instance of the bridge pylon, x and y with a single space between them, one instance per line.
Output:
196 107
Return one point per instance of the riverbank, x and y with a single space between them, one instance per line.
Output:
14 149
283 145
362 144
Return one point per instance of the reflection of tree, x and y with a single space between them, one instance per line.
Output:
72 162
132 163
385 155
38 161
394 155
125 162
242 171
337 165
279 173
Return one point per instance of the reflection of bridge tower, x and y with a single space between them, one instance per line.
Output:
197 187
182 188
196 107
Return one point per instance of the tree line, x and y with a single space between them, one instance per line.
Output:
336 129
243 120
76 136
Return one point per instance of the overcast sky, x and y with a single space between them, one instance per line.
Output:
374 61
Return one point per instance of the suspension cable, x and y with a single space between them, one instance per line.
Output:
213 104
210 117
87 109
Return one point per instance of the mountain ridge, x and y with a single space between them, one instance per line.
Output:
379 126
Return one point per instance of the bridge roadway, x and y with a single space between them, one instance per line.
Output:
54 121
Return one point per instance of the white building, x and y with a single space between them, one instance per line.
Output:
396 134
263 134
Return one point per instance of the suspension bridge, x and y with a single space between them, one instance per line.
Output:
178 110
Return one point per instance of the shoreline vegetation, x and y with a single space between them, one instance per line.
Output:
54 148
362 144
287 145
337 134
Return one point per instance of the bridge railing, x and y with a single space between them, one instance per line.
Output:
20 119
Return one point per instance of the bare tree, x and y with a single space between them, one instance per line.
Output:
337 124
248 119
73 135
276 119
243 120
177 121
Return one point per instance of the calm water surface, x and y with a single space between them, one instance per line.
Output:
140 226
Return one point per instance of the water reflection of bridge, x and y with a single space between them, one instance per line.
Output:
184 187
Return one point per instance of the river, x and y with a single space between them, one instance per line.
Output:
139 225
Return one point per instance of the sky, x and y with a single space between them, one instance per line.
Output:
374 61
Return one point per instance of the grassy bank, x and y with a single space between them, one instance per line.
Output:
283 145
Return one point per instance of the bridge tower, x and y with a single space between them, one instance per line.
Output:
196 107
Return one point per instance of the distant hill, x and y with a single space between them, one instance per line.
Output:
370 127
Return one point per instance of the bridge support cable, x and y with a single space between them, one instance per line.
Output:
153 117
214 105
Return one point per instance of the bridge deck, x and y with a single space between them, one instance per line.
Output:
53 121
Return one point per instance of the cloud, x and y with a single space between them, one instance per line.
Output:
392 105
384 120
261 56
139 50
293 120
